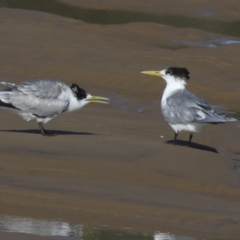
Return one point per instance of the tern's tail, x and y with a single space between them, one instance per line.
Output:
223 112
230 119
8 87
5 94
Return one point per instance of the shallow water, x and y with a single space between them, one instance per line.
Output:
100 16
211 43
66 229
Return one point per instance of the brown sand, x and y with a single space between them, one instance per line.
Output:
107 165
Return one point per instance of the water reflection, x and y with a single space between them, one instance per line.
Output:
164 236
100 16
65 229
39 227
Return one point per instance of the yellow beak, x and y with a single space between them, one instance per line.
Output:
97 99
154 73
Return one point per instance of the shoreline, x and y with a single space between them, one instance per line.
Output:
110 164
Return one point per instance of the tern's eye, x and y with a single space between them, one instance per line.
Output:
168 72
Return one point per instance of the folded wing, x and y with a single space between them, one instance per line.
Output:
185 107
44 98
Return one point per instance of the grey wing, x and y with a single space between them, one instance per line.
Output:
41 97
185 107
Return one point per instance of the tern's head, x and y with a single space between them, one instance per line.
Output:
172 75
84 98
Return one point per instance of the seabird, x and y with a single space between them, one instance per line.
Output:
43 100
183 110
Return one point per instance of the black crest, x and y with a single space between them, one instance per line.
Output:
80 93
178 72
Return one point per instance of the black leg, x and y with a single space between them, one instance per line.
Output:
190 139
43 132
175 138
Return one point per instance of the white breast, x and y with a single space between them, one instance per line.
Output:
189 127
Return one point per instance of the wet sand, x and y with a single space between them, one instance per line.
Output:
110 164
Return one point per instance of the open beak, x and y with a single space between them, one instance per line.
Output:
154 73
97 99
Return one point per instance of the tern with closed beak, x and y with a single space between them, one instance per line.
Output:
43 100
183 110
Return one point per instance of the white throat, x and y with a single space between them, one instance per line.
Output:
173 84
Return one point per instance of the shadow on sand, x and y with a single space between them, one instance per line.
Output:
57 132
192 145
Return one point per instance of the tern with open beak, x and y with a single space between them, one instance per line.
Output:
43 100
